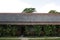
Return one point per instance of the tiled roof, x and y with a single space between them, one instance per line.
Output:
29 18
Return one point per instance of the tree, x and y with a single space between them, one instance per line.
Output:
29 10
52 11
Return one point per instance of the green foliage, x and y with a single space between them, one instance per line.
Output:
33 30
37 29
52 11
29 10
30 30
47 29
44 30
7 30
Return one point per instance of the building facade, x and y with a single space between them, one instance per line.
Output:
26 21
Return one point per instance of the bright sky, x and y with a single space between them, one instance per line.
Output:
42 6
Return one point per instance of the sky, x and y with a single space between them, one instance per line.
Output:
17 6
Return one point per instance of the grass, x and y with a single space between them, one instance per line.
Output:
44 39
9 39
41 38
30 39
47 38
